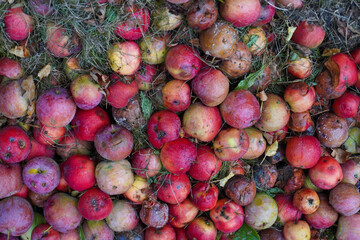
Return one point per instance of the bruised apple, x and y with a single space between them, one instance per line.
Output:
10 68
297 230
206 165
124 58
202 122
145 76
176 95
240 189
308 35
146 163
326 88
166 20
306 200
123 216
331 130
204 196
258 46
300 67
202 228
326 174
86 92
202 15
154 213
238 64
303 151
44 232
267 13
227 215
231 144
299 96
154 48
173 189
95 205
240 13
139 191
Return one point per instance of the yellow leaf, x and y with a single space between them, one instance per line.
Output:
20 51
45 71
291 31
329 52
225 179
272 149
33 171
262 96
28 86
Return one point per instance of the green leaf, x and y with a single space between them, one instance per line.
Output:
38 219
246 233
250 79
252 40
81 233
272 192
146 106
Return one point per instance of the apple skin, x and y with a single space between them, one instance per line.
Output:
231 144
259 46
41 175
240 109
42 7
297 230
348 227
326 174
299 96
292 4
11 181
202 122
14 144
124 58
345 199
300 121
227 215
343 70
240 13
119 93
257 143
14 103
262 212
146 163
204 196
347 105
303 151
182 62
60 211
44 232
97 230
55 107
173 189
18 25
162 127
23 192
211 86
202 15
135 25
351 171
139 191
86 92
95 205
325 216
154 48
48 135
267 13
165 233
308 35
123 217
88 122
287 211
10 68
182 214
79 167
306 200
300 67
178 155
176 95
206 164
71 145
114 142
202 228
145 76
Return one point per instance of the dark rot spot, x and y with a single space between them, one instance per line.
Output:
7 155
161 134
178 187
21 144
43 184
176 102
11 139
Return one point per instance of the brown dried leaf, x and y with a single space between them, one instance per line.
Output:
28 86
101 13
91 22
44 72
269 138
262 96
195 42
330 51
31 109
102 79
342 28
20 51
340 155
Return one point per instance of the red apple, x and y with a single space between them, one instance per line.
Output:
267 13
173 189
86 93
202 228
326 174
135 25
124 58
227 215
306 200
40 150
204 196
303 151
347 105
231 144
202 122
299 96
119 93
257 143
163 127
351 171
63 186
146 163
165 233
95 205
23 192
18 25
182 62
356 55
286 210
48 135
154 213
79 167
11 181
292 4
202 15
348 227
10 68
345 199
240 13
206 164
88 122
14 144
182 214
308 35
145 76
44 232
71 145
176 95
55 107
300 67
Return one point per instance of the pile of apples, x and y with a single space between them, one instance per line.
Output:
71 172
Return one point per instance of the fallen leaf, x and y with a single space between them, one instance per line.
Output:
291 31
31 109
20 51
101 13
195 42
91 22
44 72
272 149
269 138
340 155
225 179
102 79
330 51
262 96
28 86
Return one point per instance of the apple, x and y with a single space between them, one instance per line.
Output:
10 68
231 144
351 171
267 13
227 215
48 135
292 4
206 165
139 191
44 232
306 200
18 25
331 130
14 144
257 143
299 96
326 88
119 93
202 15
201 122
154 48
297 230
326 174
300 67
204 196
182 62
154 213
145 76
97 230
348 227
182 214
347 105
202 228
173 189
86 93
162 127
240 189
308 35
265 175
259 46
166 20
11 182
176 95
79 167
345 199
124 58
146 163
123 216
42 7
71 145
240 13
165 233
286 210
303 151
300 122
